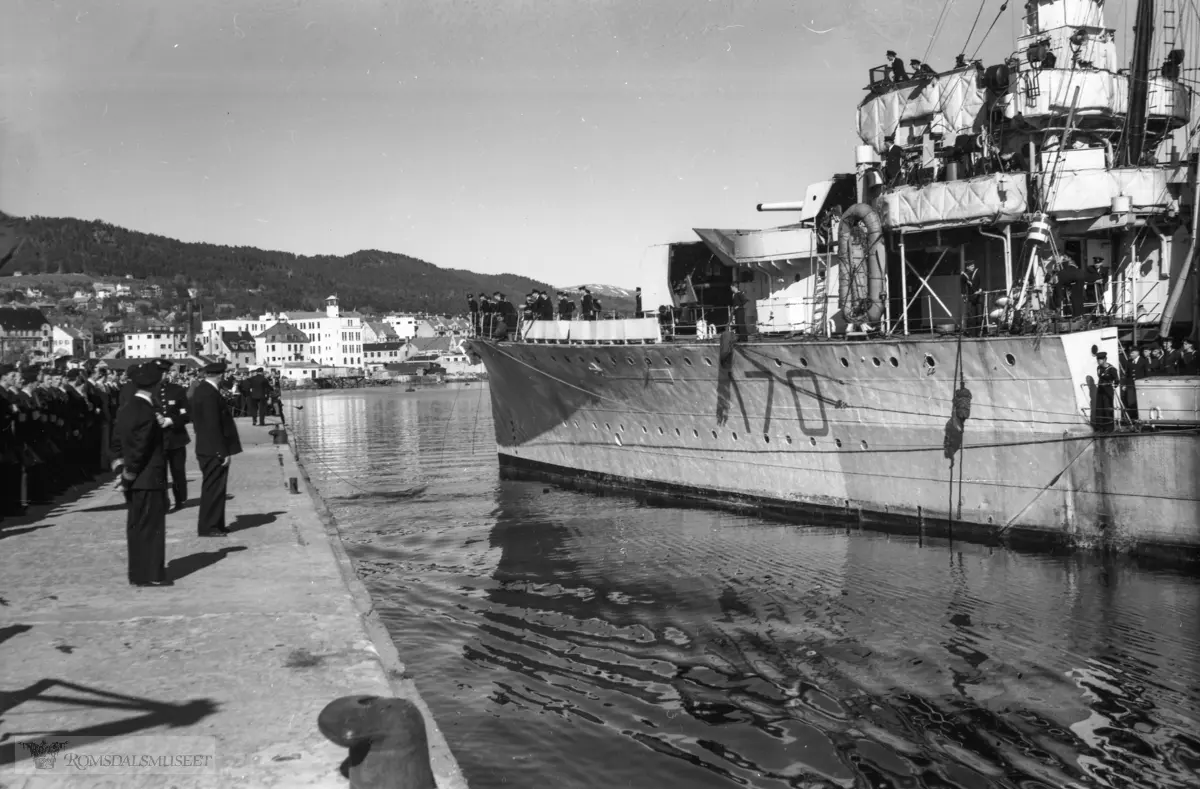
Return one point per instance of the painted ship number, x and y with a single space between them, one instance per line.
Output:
808 385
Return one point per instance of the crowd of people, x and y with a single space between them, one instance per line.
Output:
57 421
497 317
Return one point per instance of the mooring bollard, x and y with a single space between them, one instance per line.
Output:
293 485
280 435
386 737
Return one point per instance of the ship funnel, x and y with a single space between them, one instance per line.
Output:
791 205
865 154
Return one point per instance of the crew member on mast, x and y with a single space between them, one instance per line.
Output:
921 69
972 298
897 65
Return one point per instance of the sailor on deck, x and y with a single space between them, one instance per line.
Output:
897 66
1106 383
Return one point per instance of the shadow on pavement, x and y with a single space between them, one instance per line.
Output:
243 522
23 530
192 563
144 713
13 630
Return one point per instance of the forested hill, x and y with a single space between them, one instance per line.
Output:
250 280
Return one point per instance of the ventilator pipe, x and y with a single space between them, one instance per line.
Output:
389 748
870 281
1168 316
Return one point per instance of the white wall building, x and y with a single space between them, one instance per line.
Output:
211 331
334 337
69 341
156 341
409 326
281 344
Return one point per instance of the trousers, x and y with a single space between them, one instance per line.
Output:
212 494
146 535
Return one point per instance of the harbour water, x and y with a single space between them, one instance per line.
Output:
570 640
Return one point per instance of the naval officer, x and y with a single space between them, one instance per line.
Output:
144 480
216 443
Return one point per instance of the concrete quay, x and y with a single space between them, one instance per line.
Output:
260 631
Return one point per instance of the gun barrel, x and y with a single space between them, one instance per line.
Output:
791 205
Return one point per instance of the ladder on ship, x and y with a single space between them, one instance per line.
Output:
820 295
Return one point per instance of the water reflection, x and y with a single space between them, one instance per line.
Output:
570 640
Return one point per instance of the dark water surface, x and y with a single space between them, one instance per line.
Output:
567 640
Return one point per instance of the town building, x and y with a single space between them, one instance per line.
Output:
334 337
211 331
72 342
408 326
155 342
24 332
237 348
381 345
281 344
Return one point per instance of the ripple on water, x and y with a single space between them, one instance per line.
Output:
576 641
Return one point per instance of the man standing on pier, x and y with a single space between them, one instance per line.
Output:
216 443
256 389
171 399
144 480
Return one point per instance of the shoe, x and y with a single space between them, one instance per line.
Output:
154 583
178 506
214 533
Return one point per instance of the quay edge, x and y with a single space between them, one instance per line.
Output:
445 767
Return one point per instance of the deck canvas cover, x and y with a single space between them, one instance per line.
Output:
986 199
1091 191
949 104
1101 93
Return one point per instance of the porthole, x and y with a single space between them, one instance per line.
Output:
803 362
648 362
618 440
864 444
714 434
875 361
812 441
894 361
594 426
845 362
576 423
708 361
620 428
778 363
837 442
687 361
676 431
644 430
1010 360
734 436
668 361
629 359
613 359
565 358
660 431
695 433
787 439
1095 350
930 362
607 426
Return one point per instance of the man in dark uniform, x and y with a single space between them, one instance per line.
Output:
1171 358
485 315
546 305
11 446
1070 283
1106 386
256 391
972 291
144 480
39 452
637 302
738 301
1134 369
897 67
587 306
1187 359
171 400
216 444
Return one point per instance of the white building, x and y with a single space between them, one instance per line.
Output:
334 337
24 330
281 344
211 331
238 349
409 326
156 341
69 341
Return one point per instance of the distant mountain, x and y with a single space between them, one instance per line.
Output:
611 297
243 280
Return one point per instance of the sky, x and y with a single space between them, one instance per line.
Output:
554 139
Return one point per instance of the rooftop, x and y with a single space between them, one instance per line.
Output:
21 319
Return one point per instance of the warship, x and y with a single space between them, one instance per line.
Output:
925 348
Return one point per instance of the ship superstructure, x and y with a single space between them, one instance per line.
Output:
921 346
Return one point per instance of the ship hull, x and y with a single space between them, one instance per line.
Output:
857 431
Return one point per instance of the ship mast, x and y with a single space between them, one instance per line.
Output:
1135 121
